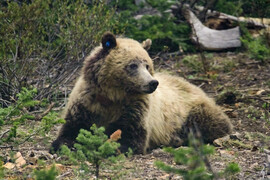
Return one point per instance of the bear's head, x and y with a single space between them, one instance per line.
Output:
120 67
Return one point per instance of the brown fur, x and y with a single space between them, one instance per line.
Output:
112 94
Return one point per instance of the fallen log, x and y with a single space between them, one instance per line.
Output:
251 22
210 39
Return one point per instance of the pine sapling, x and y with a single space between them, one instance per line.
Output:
93 146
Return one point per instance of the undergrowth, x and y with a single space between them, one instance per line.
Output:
20 114
93 147
43 42
256 47
160 27
195 162
46 174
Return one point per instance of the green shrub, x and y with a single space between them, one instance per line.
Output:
195 159
231 7
44 174
93 146
256 8
42 42
257 48
193 63
2 173
162 30
19 113
247 8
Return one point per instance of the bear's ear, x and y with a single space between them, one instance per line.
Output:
147 44
108 41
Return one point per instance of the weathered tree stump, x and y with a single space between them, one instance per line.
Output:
210 39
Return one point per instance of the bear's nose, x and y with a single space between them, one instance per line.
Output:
153 85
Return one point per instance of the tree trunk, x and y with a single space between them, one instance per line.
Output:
97 170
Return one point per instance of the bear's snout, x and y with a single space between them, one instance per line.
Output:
153 85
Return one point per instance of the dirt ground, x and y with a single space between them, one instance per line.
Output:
239 84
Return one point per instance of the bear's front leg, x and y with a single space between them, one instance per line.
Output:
132 125
77 117
133 135
67 136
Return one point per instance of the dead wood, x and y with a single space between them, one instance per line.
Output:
210 39
40 116
250 22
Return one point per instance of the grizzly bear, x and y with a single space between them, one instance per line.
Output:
118 89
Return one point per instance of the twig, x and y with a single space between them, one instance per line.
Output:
63 175
72 73
5 101
201 85
5 147
39 117
4 133
26 139
32 148
252 89
257 98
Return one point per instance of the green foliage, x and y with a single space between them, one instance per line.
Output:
195 159
41 35
266 112
48 121
248 8
18 113
46 174
193 63
192 159
93 146
2 173
69 25
228 65
161 5
230 170
257 48
161 29
231 7
256 8
123 5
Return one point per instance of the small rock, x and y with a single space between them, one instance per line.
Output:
254 165
60 167
257 143
9 165
165 176
32 160
260 92
17 155
225 153
235 136
20 161
219 142
55 156
157 152
267 151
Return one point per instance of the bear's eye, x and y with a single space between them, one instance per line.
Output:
147 66
133 66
